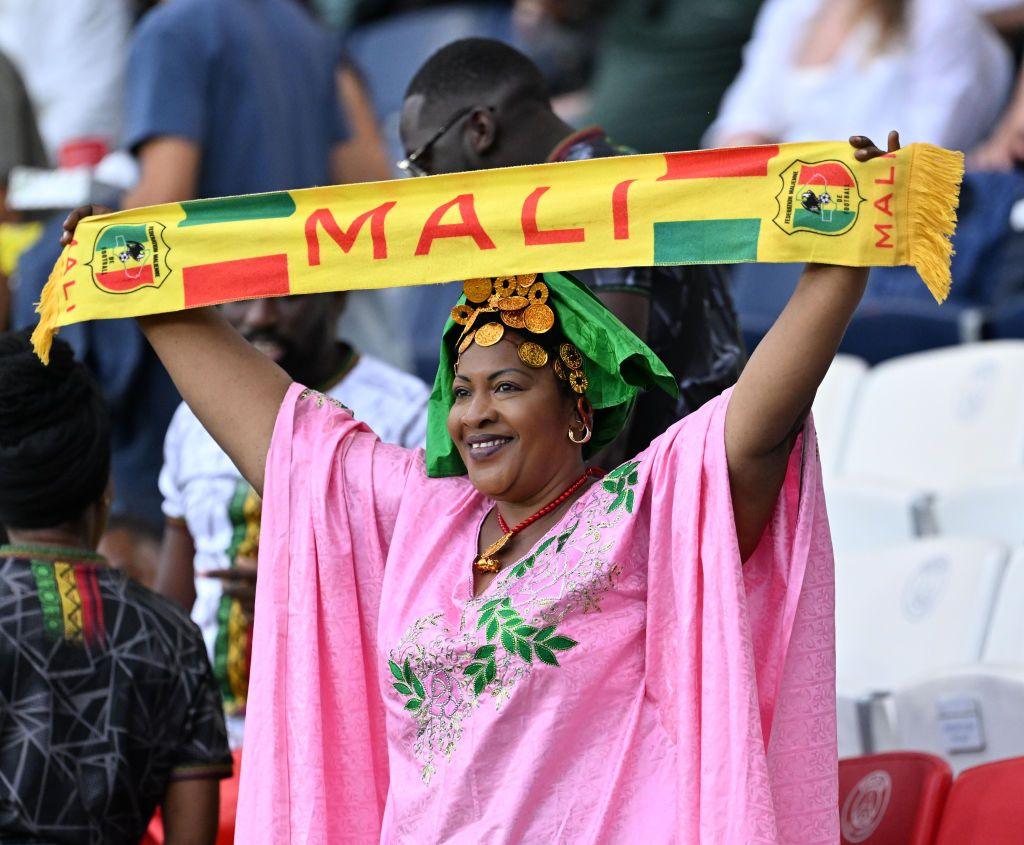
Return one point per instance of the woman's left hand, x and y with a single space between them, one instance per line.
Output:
866 149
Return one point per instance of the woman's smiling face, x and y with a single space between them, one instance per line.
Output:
510 423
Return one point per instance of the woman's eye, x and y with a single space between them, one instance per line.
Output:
506 387
460 392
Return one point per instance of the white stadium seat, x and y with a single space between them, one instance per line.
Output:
1005 640
833 406
970 714
864 515
908 610
993 508
934 445
939 419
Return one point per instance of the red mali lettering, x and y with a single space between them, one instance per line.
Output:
532 234
883 205
345 238
892 177
620 209
468 227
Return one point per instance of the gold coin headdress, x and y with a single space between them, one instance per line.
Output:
519 303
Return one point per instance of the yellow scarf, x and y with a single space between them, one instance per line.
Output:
791 202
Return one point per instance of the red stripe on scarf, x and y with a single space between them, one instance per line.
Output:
718 164
223 281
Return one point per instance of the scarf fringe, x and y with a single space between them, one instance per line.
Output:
934 196
48 309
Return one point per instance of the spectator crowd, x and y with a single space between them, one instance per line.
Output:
127 601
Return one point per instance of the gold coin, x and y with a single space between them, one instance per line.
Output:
539 318
489 334
505 286
477 290
512 303
538 293
578 381
571 355
533 354
559 369
514 319
462 314
466 342
524 282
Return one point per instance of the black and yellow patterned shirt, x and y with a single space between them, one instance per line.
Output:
106 695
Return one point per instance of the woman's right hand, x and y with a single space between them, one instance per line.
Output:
75 217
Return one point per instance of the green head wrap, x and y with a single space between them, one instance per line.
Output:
616 362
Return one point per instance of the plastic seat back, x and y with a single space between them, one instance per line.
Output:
908 610
986 806
833 406
940 419
892 799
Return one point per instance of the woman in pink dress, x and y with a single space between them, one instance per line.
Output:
487 642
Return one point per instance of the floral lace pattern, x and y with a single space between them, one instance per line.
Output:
512 630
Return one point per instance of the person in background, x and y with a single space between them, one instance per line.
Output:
71 56
1003 149
662 66
109 705
211 538
231 97
20 144
223 97
478 103
817 69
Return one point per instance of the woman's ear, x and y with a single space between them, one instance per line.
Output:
585 411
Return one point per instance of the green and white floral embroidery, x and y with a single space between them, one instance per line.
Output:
443 676
517 638
621 481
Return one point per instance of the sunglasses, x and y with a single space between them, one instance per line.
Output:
410 164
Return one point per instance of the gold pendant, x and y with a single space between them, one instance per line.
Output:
487 562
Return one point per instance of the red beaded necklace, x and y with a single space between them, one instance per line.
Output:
487 562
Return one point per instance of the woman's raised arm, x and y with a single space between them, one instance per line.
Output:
234 390
774 394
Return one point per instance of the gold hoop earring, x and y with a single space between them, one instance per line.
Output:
587 434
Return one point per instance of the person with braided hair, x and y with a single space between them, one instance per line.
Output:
109 707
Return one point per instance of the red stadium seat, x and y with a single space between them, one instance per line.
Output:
228 807
892 799
985 806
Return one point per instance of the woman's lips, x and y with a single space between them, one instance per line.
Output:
483 449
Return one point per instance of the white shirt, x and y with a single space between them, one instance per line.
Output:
71 55
946 82
201 486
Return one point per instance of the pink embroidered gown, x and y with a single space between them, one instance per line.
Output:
627 681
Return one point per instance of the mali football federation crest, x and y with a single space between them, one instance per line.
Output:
129 257
820 197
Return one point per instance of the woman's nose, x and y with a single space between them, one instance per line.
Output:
480 410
